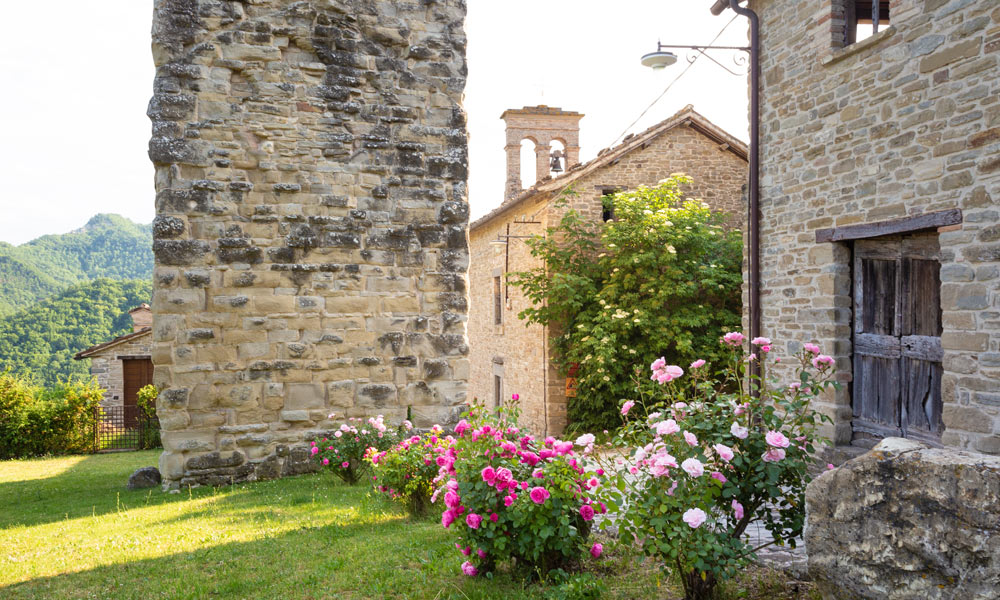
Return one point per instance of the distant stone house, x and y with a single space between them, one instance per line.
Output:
506 356
880 229
123 365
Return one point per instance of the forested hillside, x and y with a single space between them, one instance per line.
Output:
42 339
108 246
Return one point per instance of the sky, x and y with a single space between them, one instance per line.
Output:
73 111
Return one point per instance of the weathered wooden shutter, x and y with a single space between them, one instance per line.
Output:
897 338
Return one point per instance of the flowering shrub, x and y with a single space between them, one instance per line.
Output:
344 451
406 471
705 465
664 264
509 495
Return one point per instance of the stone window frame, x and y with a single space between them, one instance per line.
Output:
837 22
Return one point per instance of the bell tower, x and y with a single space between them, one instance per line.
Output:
542 125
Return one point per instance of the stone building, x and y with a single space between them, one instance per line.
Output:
311 231
507 356
123 366
880 189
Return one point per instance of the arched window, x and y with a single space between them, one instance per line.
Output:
527 163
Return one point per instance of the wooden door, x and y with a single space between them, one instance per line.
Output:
897 339
137 373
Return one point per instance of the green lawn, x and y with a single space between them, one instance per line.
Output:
70 529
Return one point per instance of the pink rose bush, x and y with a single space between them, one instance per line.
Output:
508 495
406 472
707 459
343 450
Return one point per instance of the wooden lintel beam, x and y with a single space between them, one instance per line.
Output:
932 220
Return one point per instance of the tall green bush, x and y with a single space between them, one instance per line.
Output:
36 421
661 279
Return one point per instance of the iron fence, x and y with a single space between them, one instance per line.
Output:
125 428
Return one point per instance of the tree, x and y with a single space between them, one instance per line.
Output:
663 279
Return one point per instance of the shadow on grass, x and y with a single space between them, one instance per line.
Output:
95 486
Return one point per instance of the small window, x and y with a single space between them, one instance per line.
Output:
607 203
864 19
497 301
497 390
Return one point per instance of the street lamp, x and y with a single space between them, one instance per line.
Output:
661 59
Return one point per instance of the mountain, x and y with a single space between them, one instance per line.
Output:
108 246
40 341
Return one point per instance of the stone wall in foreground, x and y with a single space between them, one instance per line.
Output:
906 521
310 238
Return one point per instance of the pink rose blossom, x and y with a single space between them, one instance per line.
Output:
822 362
765 348
733 338
694 517
508 500
596 550
338 433
658 364
627 407
737 509
469 569
668 373
326 461
776 439
587 512
830 467
539 495
489 475
465 551
724 452
451 499
480 553
447 518
698 363
690 438
811 348
667 427
761 341
718 476
315 450
515 397
739 431
773 455
693 467
473 520
345 464
494 517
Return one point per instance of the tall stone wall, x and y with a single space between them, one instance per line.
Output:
310 239
903 123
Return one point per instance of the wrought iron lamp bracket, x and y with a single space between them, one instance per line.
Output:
739 60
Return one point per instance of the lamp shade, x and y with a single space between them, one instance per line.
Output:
659 59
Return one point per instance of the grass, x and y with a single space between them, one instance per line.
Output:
70 529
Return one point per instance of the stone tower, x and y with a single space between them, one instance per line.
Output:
310 238
542 125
